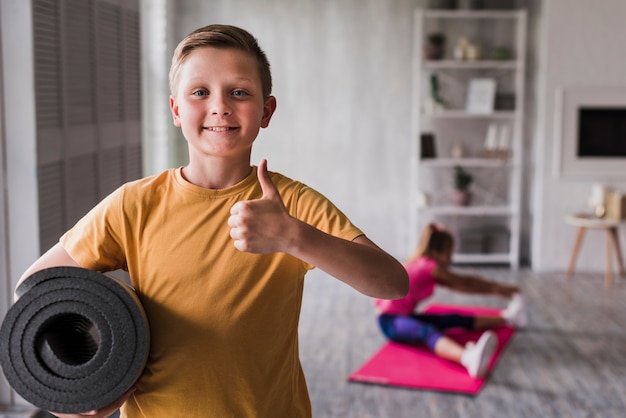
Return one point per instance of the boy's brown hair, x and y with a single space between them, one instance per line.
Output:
221 36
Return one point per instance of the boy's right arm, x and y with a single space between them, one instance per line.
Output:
54 257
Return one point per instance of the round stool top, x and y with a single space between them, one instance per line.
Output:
587 220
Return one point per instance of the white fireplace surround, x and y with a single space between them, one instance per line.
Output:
567 164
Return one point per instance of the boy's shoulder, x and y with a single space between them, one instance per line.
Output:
147 187
286 183
151 181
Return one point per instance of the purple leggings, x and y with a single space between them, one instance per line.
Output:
421 328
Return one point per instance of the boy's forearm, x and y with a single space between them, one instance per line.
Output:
54 257
359 263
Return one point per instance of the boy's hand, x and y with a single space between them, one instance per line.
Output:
262 225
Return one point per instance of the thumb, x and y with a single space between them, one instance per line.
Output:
268 187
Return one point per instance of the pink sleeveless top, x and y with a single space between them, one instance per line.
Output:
421 286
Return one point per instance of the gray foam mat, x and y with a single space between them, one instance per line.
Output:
74 341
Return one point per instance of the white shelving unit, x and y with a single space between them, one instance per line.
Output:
488 229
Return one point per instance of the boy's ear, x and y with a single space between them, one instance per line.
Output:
174 110
268 110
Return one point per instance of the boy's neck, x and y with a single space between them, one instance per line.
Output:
216 175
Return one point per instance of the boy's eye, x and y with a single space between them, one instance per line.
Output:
240 93
200 93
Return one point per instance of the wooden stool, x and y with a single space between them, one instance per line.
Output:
584 222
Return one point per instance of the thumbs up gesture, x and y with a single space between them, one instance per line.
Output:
261 225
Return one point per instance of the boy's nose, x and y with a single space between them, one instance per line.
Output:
219 106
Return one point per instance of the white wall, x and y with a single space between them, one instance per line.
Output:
581 43
342 79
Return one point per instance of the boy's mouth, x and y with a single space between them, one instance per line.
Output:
218 128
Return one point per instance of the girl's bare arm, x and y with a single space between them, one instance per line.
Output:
472 284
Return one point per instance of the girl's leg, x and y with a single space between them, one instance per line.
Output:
407 329
488 322
449 349
445 321
475 357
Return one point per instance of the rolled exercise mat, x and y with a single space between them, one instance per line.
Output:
74 341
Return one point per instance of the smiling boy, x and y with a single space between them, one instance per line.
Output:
217 250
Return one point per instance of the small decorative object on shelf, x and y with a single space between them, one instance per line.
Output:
434 102
466 50
460 48
462 180
427 146
481 95
497 141
422 199
501 53
435 46
457 151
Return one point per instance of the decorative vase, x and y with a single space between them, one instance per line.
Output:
433 51
462 197
435 46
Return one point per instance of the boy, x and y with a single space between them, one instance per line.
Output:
217 250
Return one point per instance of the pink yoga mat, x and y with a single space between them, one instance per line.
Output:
414 366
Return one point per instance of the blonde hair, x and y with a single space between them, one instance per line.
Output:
221 36
434 239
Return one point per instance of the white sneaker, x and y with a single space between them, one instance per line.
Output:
515 313
477 356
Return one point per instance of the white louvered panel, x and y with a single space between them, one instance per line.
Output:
82 70
78 78
81 186
78 61
133 162
109 62
110 170
51 204
132 70
48 103
109 75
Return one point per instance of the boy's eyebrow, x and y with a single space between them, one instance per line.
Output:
201 79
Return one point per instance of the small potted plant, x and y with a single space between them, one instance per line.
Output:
462 181
435 46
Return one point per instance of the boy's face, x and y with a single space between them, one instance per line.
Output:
219 104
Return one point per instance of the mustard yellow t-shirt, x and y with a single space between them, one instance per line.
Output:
223 323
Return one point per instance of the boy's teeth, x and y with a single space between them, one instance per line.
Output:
218 128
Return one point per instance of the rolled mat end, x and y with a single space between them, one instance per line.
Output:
75 340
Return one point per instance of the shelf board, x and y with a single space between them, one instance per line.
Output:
470 65
468 210
481 258
462 114
470 14
466 162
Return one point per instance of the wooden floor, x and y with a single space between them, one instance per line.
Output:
569 362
